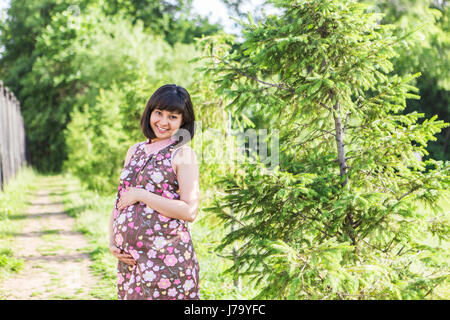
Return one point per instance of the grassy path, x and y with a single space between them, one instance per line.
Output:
56 263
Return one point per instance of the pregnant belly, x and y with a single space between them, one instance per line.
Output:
141 228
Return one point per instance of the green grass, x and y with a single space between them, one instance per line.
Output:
8 262
50 250
14 200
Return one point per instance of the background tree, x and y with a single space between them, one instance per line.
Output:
173 20
339 217
427 23
37 61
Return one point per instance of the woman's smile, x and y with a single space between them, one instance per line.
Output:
162 130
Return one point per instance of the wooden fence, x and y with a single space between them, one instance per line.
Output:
12 136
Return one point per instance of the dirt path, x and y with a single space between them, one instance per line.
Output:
56 263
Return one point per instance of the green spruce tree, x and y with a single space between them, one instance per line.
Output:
339 218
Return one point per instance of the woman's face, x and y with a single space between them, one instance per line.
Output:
164 123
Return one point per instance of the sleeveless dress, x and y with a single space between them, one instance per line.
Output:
167 267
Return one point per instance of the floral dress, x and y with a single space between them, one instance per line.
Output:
167 267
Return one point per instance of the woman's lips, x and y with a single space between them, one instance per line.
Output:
161 130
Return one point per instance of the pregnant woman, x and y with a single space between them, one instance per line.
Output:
157 196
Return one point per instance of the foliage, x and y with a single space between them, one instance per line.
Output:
173 20
26 22
38 63
334 220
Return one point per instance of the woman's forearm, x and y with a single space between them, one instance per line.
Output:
177 209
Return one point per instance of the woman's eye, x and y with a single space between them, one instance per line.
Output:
160 113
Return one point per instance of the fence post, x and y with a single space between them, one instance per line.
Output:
12 136
2 134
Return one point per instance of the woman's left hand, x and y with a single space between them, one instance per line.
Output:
130 196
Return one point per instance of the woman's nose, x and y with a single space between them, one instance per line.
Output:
163 120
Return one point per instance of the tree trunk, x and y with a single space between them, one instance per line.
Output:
349 223
340 141
446 138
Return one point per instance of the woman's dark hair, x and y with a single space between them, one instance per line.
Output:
172 98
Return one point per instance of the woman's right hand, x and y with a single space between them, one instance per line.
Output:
124 257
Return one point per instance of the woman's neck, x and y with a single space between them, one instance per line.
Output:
159 140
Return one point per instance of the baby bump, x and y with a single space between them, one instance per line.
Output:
137 227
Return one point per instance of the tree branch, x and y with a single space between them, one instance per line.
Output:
251 77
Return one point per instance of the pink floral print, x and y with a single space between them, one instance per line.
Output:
167 266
